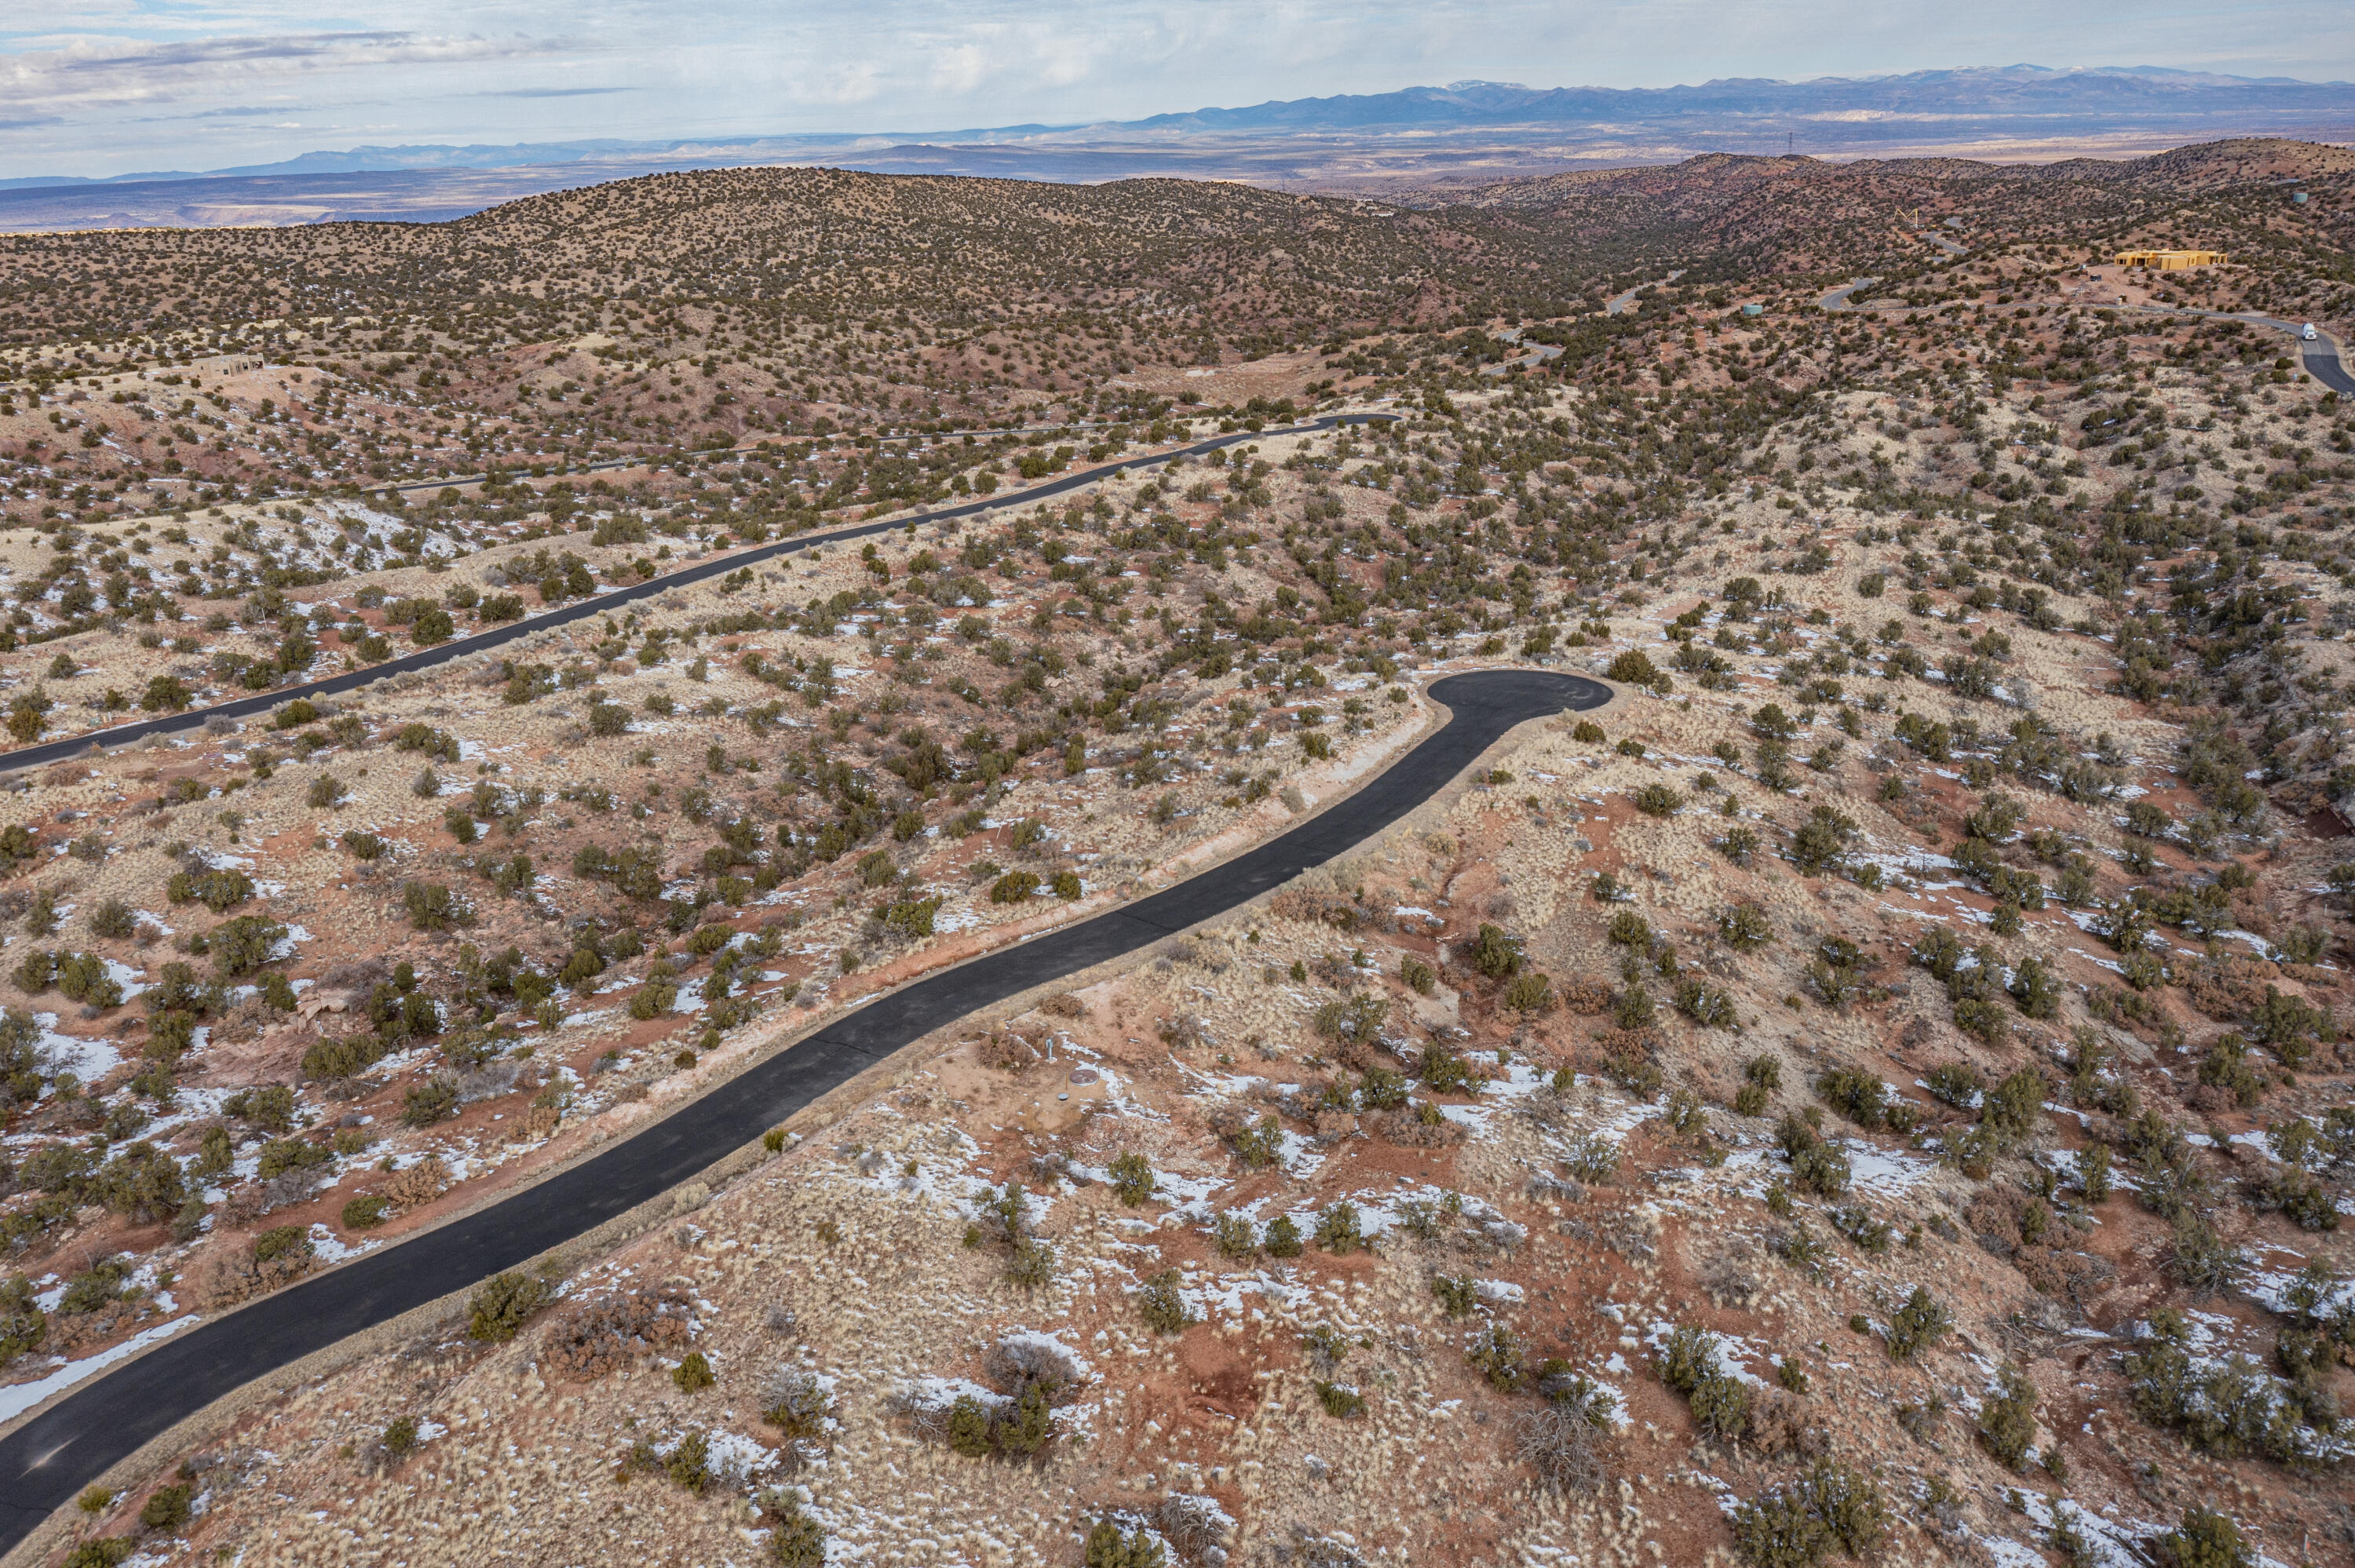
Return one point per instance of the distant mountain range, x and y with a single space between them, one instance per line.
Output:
1829 112
1401 146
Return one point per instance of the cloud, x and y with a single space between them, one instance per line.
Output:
552 91
89 74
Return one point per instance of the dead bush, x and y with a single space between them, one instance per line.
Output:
1007 1051
1779 1424
1586 998
1565 1444
1064 1005
418 1183
590 1338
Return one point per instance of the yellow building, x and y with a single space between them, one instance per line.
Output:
2171 260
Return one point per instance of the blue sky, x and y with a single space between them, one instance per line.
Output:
99 87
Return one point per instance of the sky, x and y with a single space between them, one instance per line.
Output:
106 87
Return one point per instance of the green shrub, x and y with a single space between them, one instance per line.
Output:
1746 928
1495 1353
1919 1323
1163 1308
1859 1096
502 1304
2007 1418
1529 992
1014 887
168 1508
242 945
1110 1546
433 907
285 1154
365 1211
1282 1237
1798 1525
1494 954
1337 1228
342 1055
424 1104
1340 1401
281 1241
795 1540
399 1439
1132 1179
1457 1296
693 1374
2206 1539
1710 1006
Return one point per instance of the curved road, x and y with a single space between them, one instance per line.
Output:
52 1457
599 604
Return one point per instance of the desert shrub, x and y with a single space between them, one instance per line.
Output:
1110 1545
1529 992
1746 928
1689 1365
1593 1158
1706 1004
1798 1524
589 1340
1656 799
1163 1308
1494 954
168 1508
1563 1440
1014 887
2007 1418
1859 1225
693 1374
794 1402
2205 1538
1234 1237
1258 1144
1338 1231
1282 1237
795 1540
285 1154
1859 1096
424 1104
1496 1354
83 978
1132 1179
1919 1323
1340 1401
2201 1260
365 1211
281 1243
502 1304
242 945
433 907
103 1551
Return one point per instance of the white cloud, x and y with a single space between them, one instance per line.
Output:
97 73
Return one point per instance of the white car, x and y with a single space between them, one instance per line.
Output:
2309 335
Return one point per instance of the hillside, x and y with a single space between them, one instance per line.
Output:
1878 1090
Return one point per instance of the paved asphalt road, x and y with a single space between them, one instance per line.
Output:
50 1459
603 603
